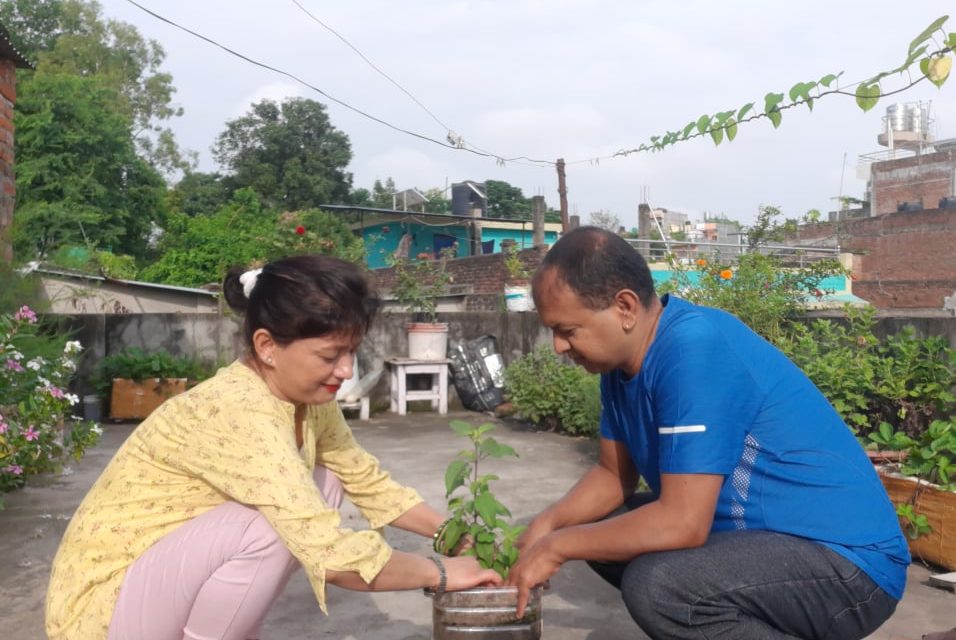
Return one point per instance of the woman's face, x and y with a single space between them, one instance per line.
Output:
311 370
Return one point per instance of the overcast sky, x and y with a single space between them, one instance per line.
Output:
563 78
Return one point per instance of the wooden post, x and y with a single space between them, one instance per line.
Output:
563 193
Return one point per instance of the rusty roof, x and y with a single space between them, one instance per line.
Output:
9 52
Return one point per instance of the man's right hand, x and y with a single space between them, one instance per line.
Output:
539 528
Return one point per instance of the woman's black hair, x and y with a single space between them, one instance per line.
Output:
596 264
304 297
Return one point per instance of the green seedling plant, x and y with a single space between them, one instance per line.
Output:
475 512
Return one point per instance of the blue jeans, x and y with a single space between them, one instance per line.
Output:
744 585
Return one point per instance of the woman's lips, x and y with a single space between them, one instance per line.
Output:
332 387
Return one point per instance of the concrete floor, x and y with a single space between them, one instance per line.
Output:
416 449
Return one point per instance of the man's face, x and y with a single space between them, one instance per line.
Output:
592 338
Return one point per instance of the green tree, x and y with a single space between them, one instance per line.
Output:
198 193
289 153
382 193
437 202
506 201
73 37
33 25
79 179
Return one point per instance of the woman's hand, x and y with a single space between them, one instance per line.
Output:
465 573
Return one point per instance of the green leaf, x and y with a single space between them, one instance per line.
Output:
717 135
928 32
491 447
485 428
731 129
462 428
951 41
775 118
690 127
771 100
455 475
801 91
867 96
486 506
744 110
702 123
828 79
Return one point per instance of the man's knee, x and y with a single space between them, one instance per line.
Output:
649 593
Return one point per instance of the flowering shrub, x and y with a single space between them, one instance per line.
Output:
34 405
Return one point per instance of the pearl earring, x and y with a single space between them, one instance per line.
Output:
269 359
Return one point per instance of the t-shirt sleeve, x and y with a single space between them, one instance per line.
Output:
704 399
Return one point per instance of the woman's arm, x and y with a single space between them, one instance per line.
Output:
409 571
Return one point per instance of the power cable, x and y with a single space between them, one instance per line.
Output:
459 143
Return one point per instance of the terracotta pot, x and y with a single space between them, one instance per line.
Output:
130 400
884 457
939 507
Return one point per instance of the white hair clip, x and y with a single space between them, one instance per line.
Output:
248 281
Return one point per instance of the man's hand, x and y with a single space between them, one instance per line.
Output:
539 528
537 564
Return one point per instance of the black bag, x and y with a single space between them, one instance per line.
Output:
477 371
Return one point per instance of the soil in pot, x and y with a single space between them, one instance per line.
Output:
487 613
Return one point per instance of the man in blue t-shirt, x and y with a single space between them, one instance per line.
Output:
765 518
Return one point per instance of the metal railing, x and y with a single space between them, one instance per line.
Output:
688 252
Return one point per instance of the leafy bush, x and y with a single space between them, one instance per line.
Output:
931 457
138 365
36 428
905 381
418 284
553 394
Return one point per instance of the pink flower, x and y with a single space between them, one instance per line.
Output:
31 434
13 364
56 392
25 313
15 469
4 427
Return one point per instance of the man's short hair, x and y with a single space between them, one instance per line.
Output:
596 264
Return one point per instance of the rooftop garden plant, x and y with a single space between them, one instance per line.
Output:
418 284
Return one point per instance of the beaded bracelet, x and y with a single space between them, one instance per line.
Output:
442 577
438 535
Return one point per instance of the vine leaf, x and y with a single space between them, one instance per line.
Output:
702 123
718 135
923 37
775 117
938 69
867 96
744 110
731 129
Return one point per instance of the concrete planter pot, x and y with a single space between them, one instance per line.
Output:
939 507
427 340
486 613
518 297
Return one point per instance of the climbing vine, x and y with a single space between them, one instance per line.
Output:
933 65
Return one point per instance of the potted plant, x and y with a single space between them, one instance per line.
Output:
137 381
417 286
478 516
517 283
923 488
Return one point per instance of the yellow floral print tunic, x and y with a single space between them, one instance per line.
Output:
228 438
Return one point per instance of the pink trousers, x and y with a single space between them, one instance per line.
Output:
214 577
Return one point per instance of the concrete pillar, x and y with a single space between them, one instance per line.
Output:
537 213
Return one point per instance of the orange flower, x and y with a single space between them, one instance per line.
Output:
701 262
726 274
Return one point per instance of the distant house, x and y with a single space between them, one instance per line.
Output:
388 233
10 61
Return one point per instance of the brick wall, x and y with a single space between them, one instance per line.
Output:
903 261
8 96
926 177
484 274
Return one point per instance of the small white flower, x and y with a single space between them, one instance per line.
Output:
43 382
69 365
97 429
73 398
73 346
36 364
16 355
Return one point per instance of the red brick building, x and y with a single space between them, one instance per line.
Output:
10 61
926 178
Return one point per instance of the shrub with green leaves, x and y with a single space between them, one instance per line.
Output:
930 457
554 395
476 512
138 365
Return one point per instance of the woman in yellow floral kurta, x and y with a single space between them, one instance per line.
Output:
196 524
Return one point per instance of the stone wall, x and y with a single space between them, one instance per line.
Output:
8 97
903 260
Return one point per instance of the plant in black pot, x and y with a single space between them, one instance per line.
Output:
478 518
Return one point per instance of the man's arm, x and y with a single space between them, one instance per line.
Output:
681 518
601 490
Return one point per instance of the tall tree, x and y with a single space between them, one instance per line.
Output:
289 153
73 37
506 201
79 179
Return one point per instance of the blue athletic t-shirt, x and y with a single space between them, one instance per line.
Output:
714 397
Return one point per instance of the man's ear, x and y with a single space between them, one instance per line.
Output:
264 345
628 306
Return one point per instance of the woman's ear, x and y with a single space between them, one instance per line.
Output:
264 345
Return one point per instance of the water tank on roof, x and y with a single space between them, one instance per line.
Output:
913 205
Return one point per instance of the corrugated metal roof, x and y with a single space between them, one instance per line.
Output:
129 283
8 51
